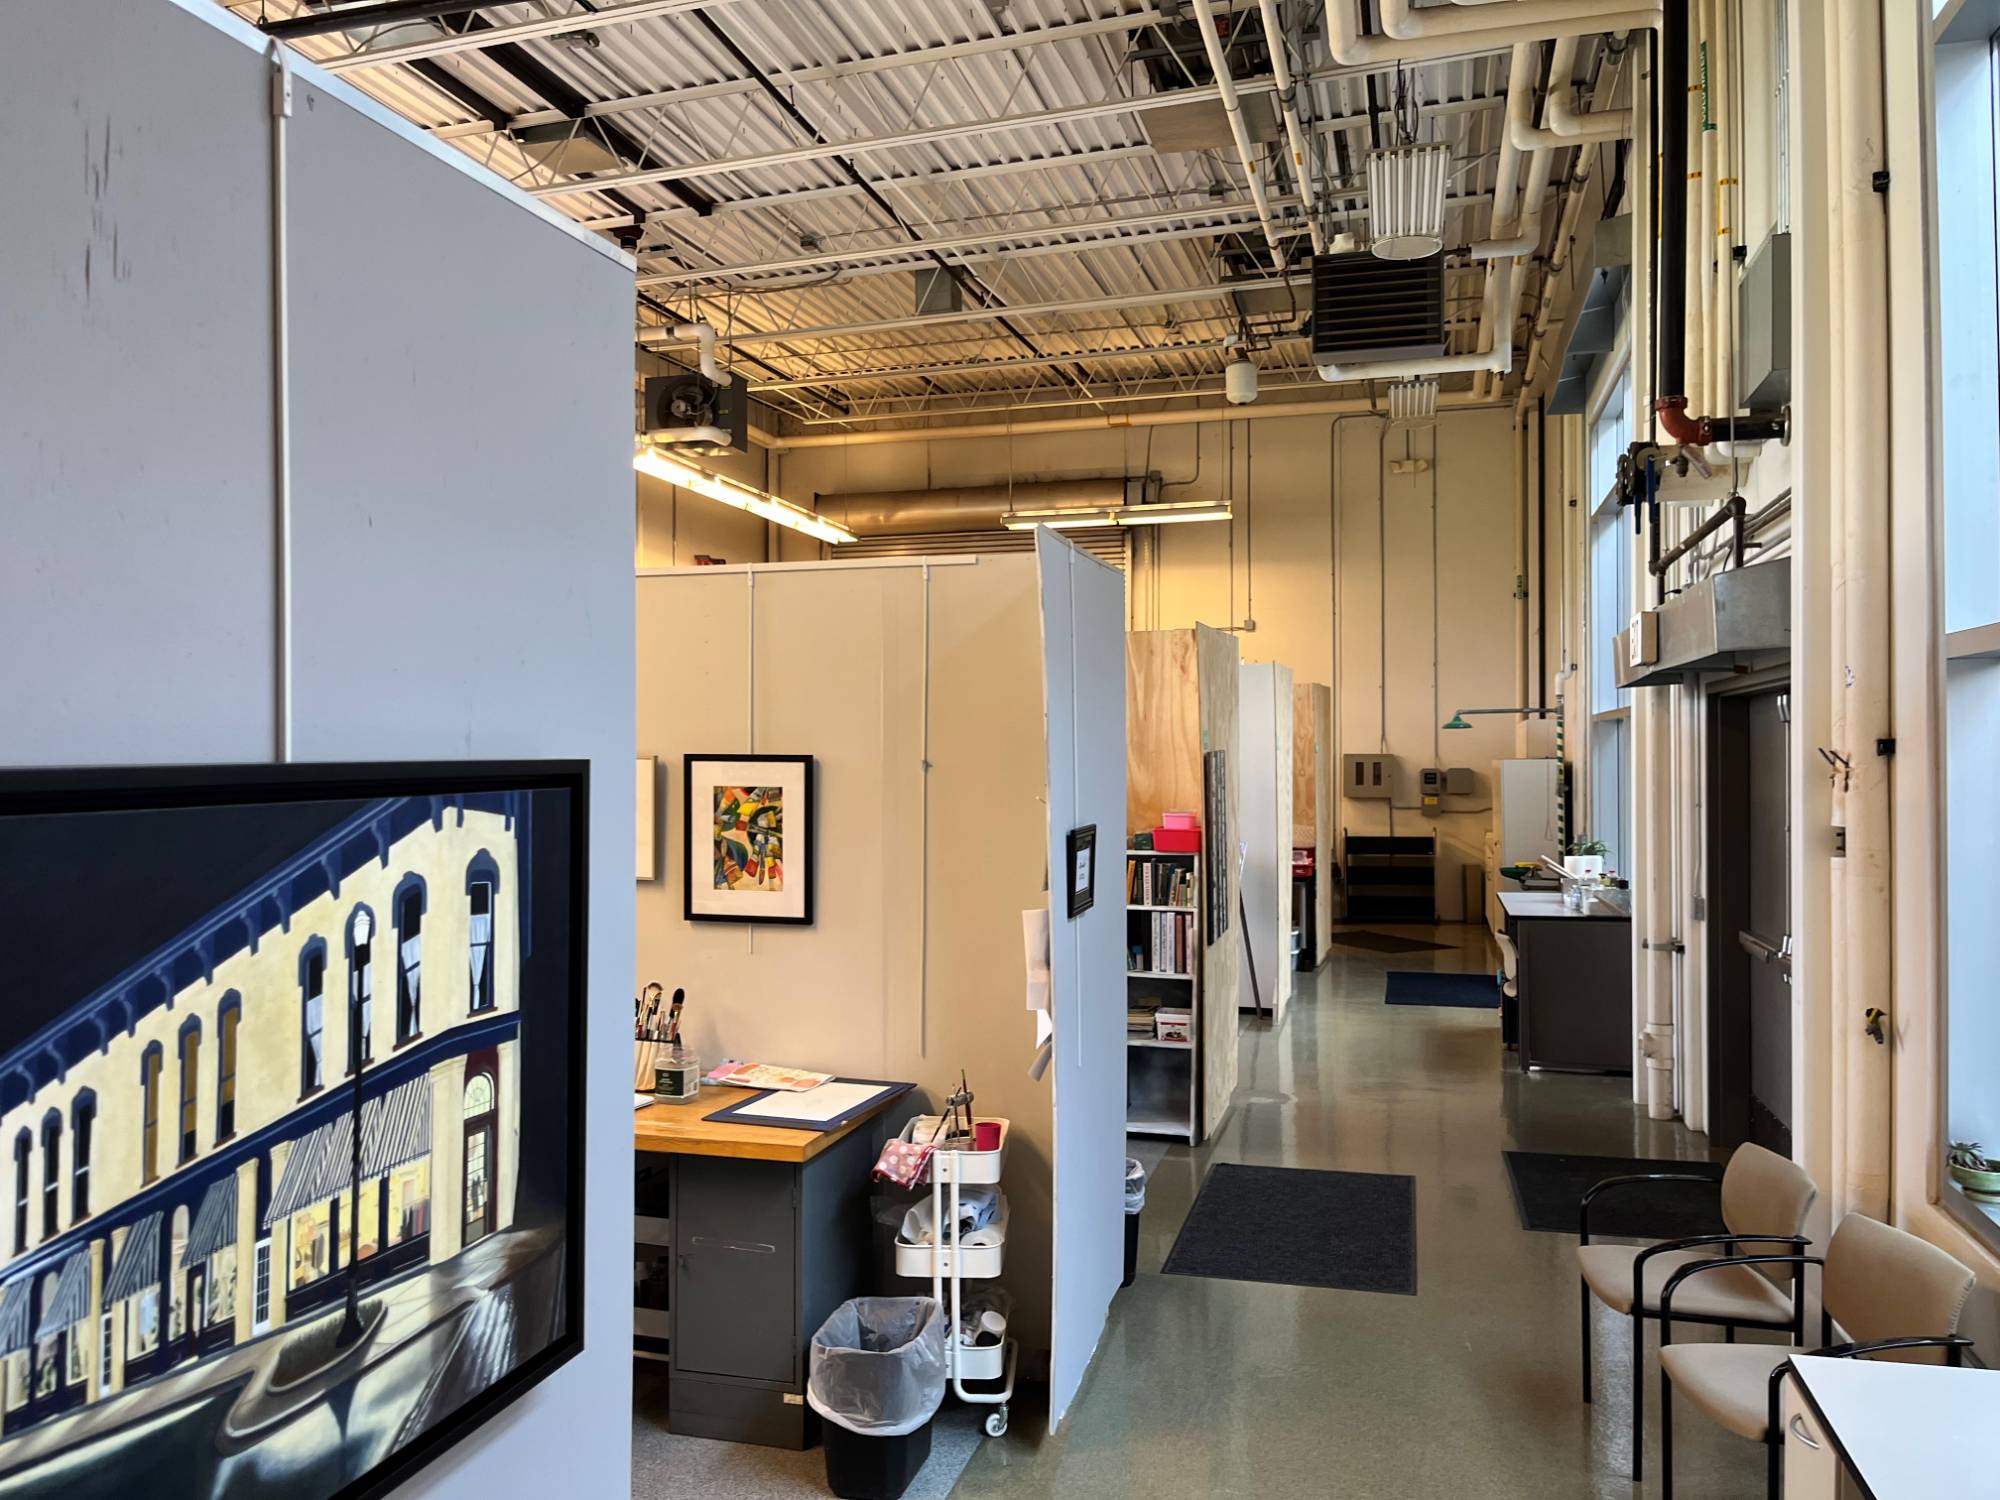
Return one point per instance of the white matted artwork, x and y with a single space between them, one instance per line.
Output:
649 848
749 833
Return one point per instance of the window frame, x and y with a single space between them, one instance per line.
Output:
24 1179
228 1042
51 1138
312 1017
361 988
411 901
152 1067
1613 385
82 1134
187 1092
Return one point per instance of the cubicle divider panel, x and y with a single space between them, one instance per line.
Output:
1216 662
1083 672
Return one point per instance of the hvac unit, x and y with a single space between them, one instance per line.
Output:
690 411
1366 309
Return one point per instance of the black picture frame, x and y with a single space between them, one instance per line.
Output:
52 791
696 847
1215 797
1080 868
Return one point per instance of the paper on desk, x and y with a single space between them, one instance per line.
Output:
827 1102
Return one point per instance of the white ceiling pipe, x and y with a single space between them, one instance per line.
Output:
1295 136
1448 31
445 42
1108 421
704 334
1606 125
1560 115
1402 20
1232 107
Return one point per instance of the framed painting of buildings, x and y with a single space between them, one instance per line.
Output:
747 821
290 1102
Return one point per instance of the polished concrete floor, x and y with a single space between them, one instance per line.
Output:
1469 1389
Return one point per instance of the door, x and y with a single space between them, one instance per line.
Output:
1749 840
478 1178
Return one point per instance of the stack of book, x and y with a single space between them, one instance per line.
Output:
1139 1021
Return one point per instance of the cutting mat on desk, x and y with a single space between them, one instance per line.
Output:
827 1107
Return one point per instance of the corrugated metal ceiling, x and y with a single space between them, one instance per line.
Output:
772 245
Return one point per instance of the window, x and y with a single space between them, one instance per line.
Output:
24 1145
149 1087
479 943
177 1277
1610 818
142 1323
190 1091
410 1201
409 958
105 1334
1969 401
260 1288
312 1017
360 989
51 1170
312 1244
227 1019
82 1123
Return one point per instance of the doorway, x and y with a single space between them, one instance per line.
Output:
480 1119
1750 921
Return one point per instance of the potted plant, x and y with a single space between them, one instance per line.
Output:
1978 1175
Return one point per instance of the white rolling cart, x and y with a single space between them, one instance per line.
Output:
946 1259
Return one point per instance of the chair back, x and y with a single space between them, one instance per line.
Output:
1885 1283
1765 1193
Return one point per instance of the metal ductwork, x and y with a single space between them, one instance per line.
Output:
876 513
1736 619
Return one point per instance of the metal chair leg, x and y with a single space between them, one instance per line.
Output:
1583 1299
1666 1435
1774 1471
1638 1396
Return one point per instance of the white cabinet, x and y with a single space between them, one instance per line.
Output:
1812 1467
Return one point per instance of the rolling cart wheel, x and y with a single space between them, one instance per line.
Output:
996 1422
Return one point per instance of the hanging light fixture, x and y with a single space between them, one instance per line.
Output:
1413 400
1406 184
648 460
1164 513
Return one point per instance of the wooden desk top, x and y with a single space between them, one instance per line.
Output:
684 1130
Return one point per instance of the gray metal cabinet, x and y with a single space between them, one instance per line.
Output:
763 1253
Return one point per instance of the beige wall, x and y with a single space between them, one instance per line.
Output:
1274 565
898 977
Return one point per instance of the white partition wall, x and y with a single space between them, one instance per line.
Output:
1083 669
1264 834
462 583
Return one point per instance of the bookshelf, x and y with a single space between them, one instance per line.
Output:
1164 950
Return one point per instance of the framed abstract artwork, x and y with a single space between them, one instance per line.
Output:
296 1069
748 825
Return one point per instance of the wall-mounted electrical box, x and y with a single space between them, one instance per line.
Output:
1365 778
1431 786
1765 296
1642 639
1459 782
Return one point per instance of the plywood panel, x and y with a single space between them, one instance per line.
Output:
1163 726
1306 764
1216 661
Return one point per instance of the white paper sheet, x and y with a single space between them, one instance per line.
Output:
827 1102
1035 947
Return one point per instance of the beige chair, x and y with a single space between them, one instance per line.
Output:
1892 1293
1765 1199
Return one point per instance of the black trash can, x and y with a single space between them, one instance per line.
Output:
873 1468
1135 1201
878 1374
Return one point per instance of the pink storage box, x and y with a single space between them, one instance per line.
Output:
1178 820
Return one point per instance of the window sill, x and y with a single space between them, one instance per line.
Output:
402 1042
313 1092
1978 1218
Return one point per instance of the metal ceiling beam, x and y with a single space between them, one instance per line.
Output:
1165 296
519 31
924 136
368 17
996 366
1033 399
1060 31
1114 231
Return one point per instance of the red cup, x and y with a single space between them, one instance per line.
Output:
986 1135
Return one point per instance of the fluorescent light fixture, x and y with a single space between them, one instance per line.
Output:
1413 400
1070 517
1406 201
674 471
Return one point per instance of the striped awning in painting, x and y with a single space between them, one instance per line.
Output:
138 1264
214 1222
17 1323
310 1171
71 1302
396 1128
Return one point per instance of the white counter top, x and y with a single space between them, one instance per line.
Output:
1607 907
1908 1432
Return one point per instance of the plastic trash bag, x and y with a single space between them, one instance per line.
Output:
1135 1185
878 1365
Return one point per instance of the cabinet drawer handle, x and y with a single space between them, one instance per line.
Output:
1799 1432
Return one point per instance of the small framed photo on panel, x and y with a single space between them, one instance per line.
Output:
749 831
1082 862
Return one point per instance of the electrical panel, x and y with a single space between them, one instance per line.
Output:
1431 787
1366 778
1459 782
